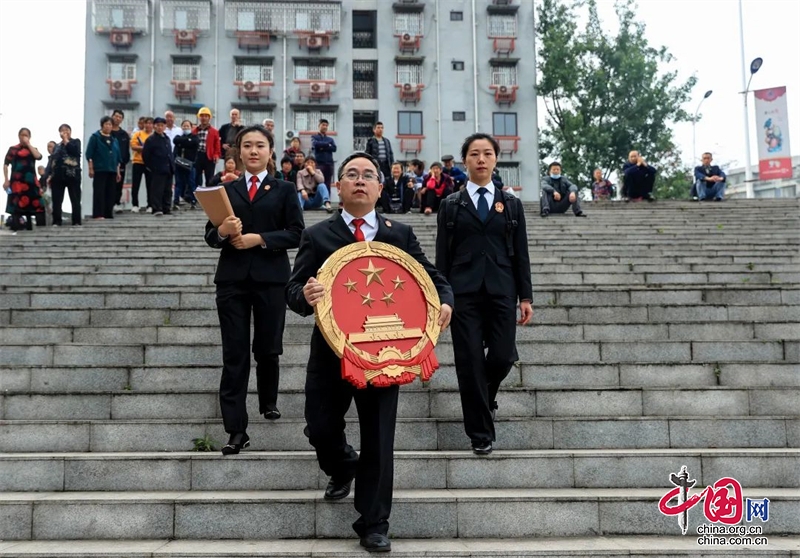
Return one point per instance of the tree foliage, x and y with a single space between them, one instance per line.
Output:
604 94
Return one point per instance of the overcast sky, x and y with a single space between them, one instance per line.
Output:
42 60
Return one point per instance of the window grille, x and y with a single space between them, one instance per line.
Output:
308 120
502 25
411 23
314 70
504 75
253 71
185 15
118 70
365 79
509 173
283 17
120 14
185 69
408 73
251 116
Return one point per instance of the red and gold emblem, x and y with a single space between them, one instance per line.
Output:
379 314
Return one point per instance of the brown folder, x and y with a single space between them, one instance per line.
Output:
214 201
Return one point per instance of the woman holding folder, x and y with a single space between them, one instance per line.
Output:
252 273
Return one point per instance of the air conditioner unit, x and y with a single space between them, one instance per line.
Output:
183 86
314 42
250 87
121 38
291 134
407 87
317 88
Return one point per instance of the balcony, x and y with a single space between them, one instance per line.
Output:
408 43
253 91
410 92
185 39
503 46
316 91
120 88
185 90
410 145
314 41
109 16
508 144
505 94
253 40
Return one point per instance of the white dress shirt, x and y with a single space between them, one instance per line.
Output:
472 189
369 228
261 176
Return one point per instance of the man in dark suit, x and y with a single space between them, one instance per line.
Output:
328 396
482 250
160 163
251 276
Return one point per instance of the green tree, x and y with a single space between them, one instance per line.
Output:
604 94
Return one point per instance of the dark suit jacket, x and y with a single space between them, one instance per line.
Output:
157 154
323 239
479 254
274 214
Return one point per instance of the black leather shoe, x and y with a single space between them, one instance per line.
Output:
493 406
274 414
481 448
336 490
376 542
580 214
236 443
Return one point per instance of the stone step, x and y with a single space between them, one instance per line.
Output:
299 470
417 401
412 434
210 334
625 314
652 547
534 352
446 513
169 379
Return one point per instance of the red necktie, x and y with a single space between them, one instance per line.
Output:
359 234
253 186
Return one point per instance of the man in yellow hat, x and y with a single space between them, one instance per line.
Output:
209 150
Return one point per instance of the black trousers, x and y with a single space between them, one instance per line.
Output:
327 171
119 183
161 188
73 186
429 199
103 194
235 301
482 322
203 167
641 188
385 201
140 170
328 398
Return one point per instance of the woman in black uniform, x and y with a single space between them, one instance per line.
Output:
252 273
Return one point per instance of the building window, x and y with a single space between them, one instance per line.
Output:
120 14
121 70
365 79
185 15
509 172
456 16
504 75
502 25
409 123
310 70
364 29
410 23
408 73
504 124
283 17
251 116
257 70
185 68
182 114
246 21
458 65
459 116
363 122
308 120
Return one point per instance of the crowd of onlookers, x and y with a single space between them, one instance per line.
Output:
175 158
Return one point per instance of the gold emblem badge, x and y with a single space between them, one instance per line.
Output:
388 223
267 187
499 207
383 330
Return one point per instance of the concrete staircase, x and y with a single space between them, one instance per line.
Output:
664 335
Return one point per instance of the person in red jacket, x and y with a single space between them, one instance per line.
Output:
210 148
435 187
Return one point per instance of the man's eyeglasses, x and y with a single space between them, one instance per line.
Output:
354 175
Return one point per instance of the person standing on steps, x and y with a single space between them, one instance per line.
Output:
482 250
328 395
103 156
251 277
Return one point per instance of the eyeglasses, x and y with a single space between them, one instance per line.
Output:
353 175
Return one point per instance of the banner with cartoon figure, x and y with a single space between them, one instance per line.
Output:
774 153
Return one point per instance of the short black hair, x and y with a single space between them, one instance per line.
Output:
67 126
148 119
311 158
554 164
323 121
708 153
417 164
254 128
475 137
187 120
378 123
436 164
104 120
359 155
286 159
118 111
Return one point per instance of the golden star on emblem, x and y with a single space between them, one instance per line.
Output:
373 273
387 298
351 285
398 283
367 299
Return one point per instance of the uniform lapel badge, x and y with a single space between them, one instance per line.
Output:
388 223
499 207
266 188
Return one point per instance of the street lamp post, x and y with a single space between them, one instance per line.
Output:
755 65
694 123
